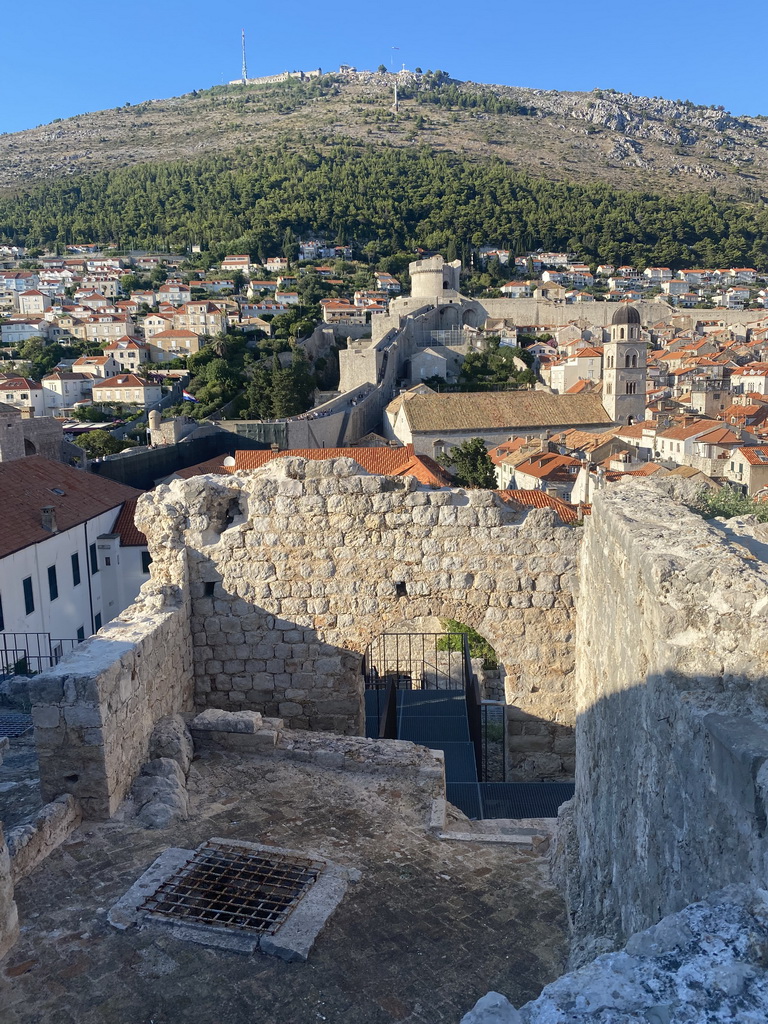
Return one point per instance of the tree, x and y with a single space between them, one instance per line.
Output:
471 464
97 443
381 68
292 387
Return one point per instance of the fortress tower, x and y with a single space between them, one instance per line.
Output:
433 280
624 368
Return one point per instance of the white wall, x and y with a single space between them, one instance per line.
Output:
106 592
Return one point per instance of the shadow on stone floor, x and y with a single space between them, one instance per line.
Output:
428 929
20 796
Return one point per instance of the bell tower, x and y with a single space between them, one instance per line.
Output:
625 368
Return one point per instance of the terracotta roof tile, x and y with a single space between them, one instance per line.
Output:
125 526
32 483
378 460
502 410
538 499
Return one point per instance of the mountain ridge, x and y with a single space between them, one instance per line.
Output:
629 142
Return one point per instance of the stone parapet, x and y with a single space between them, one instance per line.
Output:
672 715
95 711
250 733
30 844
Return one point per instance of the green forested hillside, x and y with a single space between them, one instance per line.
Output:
388 198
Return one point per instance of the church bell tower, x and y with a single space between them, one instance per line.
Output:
625 368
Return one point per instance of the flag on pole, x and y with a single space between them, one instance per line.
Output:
187 397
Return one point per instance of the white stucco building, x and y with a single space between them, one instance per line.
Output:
62 570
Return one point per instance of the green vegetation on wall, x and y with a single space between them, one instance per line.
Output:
478 645
728 502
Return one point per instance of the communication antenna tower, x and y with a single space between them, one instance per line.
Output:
245 66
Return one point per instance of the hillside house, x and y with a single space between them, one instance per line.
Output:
127 389
63 390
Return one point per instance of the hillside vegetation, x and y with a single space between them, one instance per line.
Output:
628 141
386 199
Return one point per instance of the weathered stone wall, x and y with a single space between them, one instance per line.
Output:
94 712
31 843
672 726
9 915
295 568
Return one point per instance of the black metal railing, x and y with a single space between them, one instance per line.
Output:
388 714
494 741
416 661
26 654
474 703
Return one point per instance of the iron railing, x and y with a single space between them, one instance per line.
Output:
416 661
494 741
26 654
474 703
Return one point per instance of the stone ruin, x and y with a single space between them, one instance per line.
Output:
645 630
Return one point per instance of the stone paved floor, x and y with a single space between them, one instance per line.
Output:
431 926
19 782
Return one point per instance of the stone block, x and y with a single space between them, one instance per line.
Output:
214 720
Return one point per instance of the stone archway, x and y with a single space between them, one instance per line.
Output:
29 447
295 568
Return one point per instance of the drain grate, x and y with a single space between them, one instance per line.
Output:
234 886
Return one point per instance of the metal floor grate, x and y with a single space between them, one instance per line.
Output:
231 886
14 723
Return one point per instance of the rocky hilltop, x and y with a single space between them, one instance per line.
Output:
631 142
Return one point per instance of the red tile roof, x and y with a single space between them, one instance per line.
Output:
756 456
30 484
125 526
378 460
538 499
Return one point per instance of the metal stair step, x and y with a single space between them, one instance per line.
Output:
423 728
523 799
460 763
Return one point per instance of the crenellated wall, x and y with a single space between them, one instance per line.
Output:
295 568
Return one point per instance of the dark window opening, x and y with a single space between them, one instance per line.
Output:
29 596
81 632
97 622
209 589
53 583
146 561
76 570
400 590
94 559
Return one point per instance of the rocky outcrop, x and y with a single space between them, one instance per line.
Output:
704 965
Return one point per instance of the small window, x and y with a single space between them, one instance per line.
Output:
97 622
146 561
107 560
75 570
53 583
81 632
94 559
29 596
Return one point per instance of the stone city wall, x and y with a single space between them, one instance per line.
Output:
94 712
672 725
296 567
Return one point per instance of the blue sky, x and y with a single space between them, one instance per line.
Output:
62 59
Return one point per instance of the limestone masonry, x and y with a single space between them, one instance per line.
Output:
645 628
